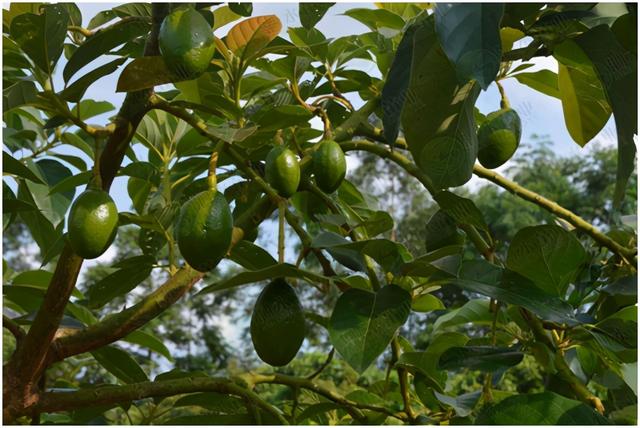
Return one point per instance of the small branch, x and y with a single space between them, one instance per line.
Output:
403 377
323 366
628 254
60 401
15 329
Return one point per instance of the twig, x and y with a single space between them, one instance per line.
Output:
323 366
15 329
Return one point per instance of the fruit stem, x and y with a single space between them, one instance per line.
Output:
212 178
97 177
281 218
504 101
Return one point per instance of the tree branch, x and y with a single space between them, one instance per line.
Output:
58 401
15 329
629 254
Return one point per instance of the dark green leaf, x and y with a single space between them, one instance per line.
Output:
462 210
102 42
275 271
42 36
547 408
120 364
250 256
362 323
476 311
145 72
377 19
548 255
242 9
484 358
87 109
147 340
312 13
509 287
618 70
214 402
116 284
438 119
11 165
470 37
76 90
397 82
70 183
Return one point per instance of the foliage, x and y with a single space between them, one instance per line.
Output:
522 303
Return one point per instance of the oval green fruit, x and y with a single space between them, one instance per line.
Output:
329 166
441 231
499 137
186 43
277 324
93 223
204 230
282 171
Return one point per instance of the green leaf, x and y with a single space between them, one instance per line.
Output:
617 69
377 19
509 287
427 303
388 254
426 363
484 358
54 206
276 271
395 88
41 229
147 340
547 408
70 183
545 81
214 402
42 36
475 311
312 13
250 256
548 255
87 109
145 72
462 210
462 404
116 284
120 364
438 119
11 165
102 42
584 103
74 92
470 37
242 9
281 117
362 323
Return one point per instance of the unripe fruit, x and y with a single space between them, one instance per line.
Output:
282 171
329 166
204 230
93 223
186 43
499 137
277 324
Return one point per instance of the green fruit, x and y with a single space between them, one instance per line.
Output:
499 137
93 223
277 324
204 230
283 171
329 166
441 231
186 43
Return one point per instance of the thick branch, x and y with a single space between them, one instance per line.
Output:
117 326
56 401
13 327
555 209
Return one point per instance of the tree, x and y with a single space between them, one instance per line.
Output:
232 146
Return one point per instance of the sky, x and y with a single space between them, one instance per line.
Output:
540 114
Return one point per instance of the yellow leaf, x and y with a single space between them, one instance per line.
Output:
257 31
